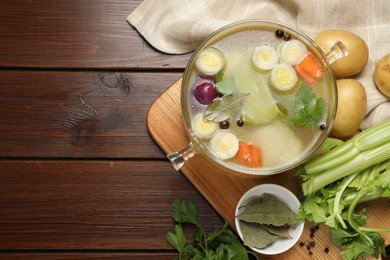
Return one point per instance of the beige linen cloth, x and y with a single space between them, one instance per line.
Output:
179 26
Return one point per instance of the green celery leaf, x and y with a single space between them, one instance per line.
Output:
184 211
341 236
313 209
355 250
307 108
383 180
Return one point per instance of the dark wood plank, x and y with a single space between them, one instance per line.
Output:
92 204
76 33
88 255
60 114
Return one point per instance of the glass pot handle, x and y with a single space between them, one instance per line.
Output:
337 52
180 157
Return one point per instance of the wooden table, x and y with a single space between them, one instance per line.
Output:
80 175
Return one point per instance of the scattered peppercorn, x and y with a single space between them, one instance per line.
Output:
326 250
308 247
302 244
311 235
318 227
322 127
287 37
310 253
240 123
279 33
224 124
312 243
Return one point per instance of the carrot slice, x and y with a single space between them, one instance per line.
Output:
249 155
309 69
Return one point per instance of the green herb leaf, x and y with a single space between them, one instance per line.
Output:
224 84
225 107
184 211
220 244
177 239
307 108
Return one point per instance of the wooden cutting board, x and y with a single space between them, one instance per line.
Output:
223 190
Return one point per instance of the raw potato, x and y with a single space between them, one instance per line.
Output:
382 75
357 57
351 109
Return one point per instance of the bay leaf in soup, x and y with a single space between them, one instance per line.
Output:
256 236
225 107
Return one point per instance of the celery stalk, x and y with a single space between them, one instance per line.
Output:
356 164
366 140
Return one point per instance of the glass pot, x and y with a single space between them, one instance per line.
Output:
221 38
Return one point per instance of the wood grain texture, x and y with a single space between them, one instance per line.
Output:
57 114
92 204
223 190
87 255
77 34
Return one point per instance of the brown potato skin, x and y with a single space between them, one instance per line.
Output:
351 109
358 53
382 75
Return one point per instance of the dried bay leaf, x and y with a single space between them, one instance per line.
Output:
269 211
282 231
255 235
225 107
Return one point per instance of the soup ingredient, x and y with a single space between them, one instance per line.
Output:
260 106
307 108
205 92
221 243
224 124
358 153
203 128
352 103
224 85
210 61
265 57
279 144
249 155
334 203
279 33
265 219
256 236
382 75
224 145
283 77
358 53
225 107
309 70
292 52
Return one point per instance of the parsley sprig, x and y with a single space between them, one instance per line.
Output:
221 243
307 108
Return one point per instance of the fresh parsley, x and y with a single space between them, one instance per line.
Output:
221 243
307 108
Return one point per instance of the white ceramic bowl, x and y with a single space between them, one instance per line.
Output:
280 245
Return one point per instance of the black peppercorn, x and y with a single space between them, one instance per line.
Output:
287 37
279 33
224 124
